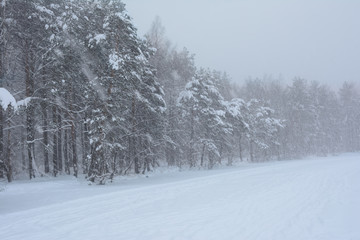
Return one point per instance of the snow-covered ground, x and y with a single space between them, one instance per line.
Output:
315 198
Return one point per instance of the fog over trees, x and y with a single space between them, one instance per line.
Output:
82 93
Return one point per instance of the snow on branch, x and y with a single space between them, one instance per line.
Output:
7 99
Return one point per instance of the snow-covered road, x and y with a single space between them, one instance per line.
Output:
304 199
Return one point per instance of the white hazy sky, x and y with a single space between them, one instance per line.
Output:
314 39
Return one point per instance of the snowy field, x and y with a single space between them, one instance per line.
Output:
315 198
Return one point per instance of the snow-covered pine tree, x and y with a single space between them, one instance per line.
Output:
236 114
123 93
263 131
203 112
173 70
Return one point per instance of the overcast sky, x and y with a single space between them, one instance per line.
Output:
314 39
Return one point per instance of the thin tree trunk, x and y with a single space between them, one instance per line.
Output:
30 140
221 152
146 155
23 155
29 84
59 148
45 136
44 107
2 52
86 149
74 153
133 138
83 150
170 155
73 133
202 155
93 163
191 142
2 164
240 149
66 152
9 172
114 170
251 151
129 160
211 160
55 143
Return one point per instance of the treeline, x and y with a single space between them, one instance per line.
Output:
94 98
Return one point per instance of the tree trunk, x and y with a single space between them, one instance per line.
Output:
73 132
211 160
44 108
29 84
9 173
191 142
45 136
2 164
97 161
221 152
133 138
93 166
30 140
251 151
240 149
83 150
86 145
74 153
170 154
55 143
114 170
202 155
59 141
23 147
66 152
